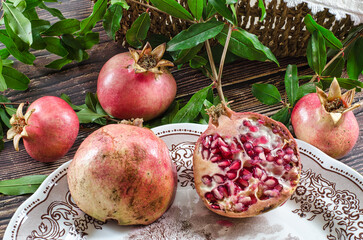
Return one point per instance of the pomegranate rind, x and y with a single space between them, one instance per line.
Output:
123 172
225 127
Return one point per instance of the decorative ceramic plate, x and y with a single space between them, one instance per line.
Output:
326 205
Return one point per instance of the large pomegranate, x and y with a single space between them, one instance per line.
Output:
245 163
123 172
49 128
326 121
136 84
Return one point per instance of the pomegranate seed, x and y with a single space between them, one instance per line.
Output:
243 183
266 150
215 136
257 172
279 187
244 200
289 150
224 163
207 180
279 161
234 148
223 190
243 139
250 153
260 121
253 129
206 141
221 142
253 199
225 151
238 207
205 154
287 158
271 193
215 150
210 197
246 123
215 206
270 158
217 194
271 182
287 167
218 178
216 158
280 153
235 165
263 140
258 149
275 130
214 143
231 175
248 146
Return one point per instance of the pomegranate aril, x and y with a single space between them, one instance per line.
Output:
258 149
287 158
225 151
207 180
262 140
257 172
205 154
223 190
271 182
287 167
215 206
279 161
235 165
289 150
234 148
253 129
215 158
270 158
245 174
271 193
239 207
231 175
279 187
215 151
248 146
207 141
221 142
214 143
224 163
260 121
218 178
210 197
280 153
247 123
243 139
243 183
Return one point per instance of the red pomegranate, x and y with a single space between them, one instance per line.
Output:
49 128
123 172
326 121
136 84
245 163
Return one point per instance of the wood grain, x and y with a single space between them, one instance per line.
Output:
77 79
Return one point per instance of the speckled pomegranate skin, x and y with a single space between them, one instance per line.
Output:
52 129
123 172
313 125
125 94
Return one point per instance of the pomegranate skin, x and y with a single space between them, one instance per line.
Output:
52 129
314 125
125 94
123 172
219 184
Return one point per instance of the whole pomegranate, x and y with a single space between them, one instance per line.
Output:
49 128
136 84
326 121
123 172
245 163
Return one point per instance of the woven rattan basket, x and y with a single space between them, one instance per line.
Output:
283 29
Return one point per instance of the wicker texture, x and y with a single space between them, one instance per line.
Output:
283 29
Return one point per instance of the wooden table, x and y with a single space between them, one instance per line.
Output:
77 79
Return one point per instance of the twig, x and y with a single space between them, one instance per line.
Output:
211 61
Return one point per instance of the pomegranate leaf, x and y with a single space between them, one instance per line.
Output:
222 9
329 37
246 45
15 79
196 8
54 45
62 27
192 109
138 30
266 93
20 44
316 52
306 89
261 5
355 59
59 63
5 117
23 185
198 62
194 35
343 82
4 53
282 116
55 12
208 10
335 69
173 8
97 14
291 83
66 98
87 116
112 19
187 54
3 85
39 26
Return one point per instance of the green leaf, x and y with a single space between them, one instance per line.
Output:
191 110
20 186
194 35
123 3
31 4
4 53
291 83
98 12
15 79
8 62
335 69
138 30
88 40
74 48
305 89
55 12
3 85
19 4
355 59
66 98
5 118
222 9
208 10
66 26
187 54
24 57
20 44
198 62
87 116
18 23
246 45
344 83
206 104
91 101
39 26
329 37
196 8
266 93
282 116
54 45
10 110
173 8
59 63
316 52
112 19
261 5
31 14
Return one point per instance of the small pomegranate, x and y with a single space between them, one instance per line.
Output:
245 163
136 84
123 172
49 128
326 120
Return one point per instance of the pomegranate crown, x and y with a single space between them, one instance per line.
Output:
18 122
335 103
149 60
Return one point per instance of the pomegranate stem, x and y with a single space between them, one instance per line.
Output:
211 60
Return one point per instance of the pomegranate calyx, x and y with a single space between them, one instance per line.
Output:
18 122
335 103
134 122
215 112
149 60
